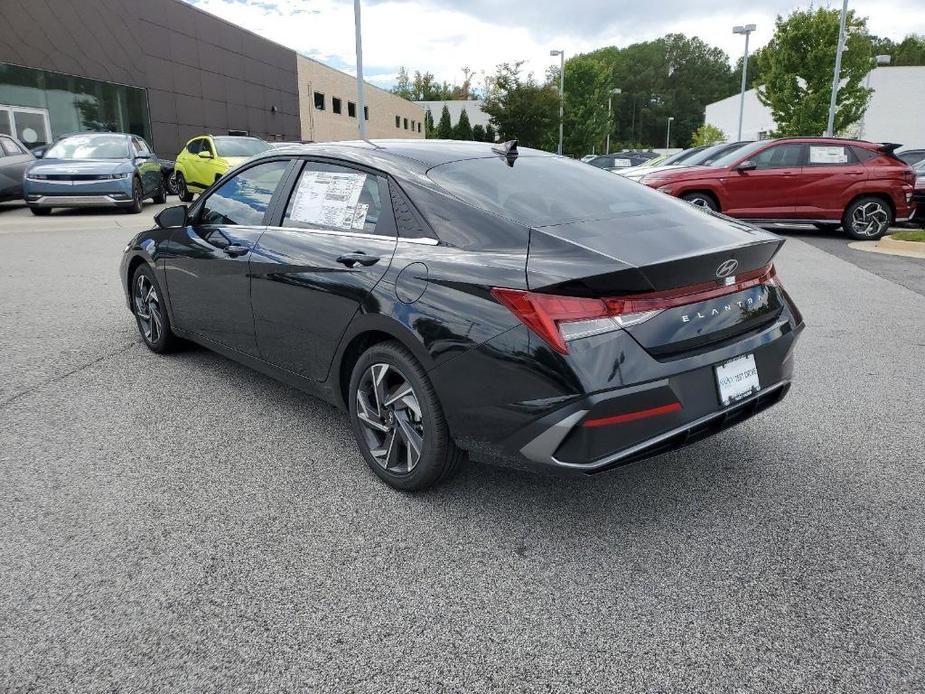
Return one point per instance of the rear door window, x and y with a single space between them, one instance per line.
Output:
830 155
243 199
330 197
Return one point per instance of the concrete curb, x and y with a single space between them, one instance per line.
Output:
890 246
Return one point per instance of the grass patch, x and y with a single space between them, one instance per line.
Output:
910 236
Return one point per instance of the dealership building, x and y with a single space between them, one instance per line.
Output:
168 71
894 113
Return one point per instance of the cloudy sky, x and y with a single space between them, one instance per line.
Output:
442 36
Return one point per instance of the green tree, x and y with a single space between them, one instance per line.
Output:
428 124
463 129
520 108
490 135
423 86
445 126
909 51
707 134
797 68
478 133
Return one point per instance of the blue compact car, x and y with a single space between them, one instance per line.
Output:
95 170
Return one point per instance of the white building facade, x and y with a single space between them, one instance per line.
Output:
896 112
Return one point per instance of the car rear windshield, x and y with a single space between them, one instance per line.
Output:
90 147
543 190
239 146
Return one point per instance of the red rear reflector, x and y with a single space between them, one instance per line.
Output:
542 313
632 416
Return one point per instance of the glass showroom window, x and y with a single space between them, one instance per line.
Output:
37 105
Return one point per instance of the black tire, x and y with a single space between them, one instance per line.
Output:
150 313
137 198
182 189
867 218
701 200
824 226
41 211
386 428
171 183
160 195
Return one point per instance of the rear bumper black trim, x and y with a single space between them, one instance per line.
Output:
669 440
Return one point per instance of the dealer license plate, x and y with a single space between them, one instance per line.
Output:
737 379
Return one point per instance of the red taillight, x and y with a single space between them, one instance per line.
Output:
633 416
558 319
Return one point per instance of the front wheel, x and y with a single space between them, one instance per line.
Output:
701 200
137 198
182 189
171 183
867 219
398 421
150 314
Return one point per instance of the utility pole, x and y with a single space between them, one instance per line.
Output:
668 136
361 91
836 78
747 30
561 55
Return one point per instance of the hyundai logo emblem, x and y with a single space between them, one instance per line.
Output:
727 267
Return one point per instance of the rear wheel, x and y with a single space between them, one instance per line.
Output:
148 307
171 183
182 189
822 226
41 211
867 219
701 200
398 421
160 197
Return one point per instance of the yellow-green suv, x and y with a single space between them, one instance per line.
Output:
206 158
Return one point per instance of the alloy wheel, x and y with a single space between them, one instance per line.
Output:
390 418
701 202
148 309
870 219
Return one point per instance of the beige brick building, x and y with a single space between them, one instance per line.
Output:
328 110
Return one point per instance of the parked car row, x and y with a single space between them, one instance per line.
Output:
119 170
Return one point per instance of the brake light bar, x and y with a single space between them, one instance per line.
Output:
633 416
560 319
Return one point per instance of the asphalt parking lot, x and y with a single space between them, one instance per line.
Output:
184 524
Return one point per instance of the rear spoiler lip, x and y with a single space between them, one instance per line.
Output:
888 147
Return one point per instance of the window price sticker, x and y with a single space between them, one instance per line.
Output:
827 155
330 199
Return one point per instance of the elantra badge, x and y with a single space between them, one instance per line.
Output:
727 268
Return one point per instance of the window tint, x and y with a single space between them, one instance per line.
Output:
335 104
335 198
240 146
862 154
243 199
830 155
194 145
137 147
779 157
207 146
543 190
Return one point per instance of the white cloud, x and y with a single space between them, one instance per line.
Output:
442 36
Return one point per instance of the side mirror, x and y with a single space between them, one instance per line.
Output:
170 217
205 154
38 153
747 165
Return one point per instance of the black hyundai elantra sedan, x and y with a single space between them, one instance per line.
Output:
462 298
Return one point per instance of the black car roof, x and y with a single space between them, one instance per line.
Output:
399 155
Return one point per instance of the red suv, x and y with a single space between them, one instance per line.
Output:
829 182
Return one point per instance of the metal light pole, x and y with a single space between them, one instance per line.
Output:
747 30
361 92
836 77
561 55
668 136
609 118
